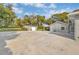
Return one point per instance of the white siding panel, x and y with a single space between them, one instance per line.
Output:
76 34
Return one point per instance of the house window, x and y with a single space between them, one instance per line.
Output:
62 28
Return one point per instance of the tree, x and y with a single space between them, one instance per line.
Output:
6 15
11 15
50 21
26 20
40 20
61 16
18 22
33 22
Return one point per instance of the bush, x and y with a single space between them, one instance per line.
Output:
11 29
47 28
41 28
23 28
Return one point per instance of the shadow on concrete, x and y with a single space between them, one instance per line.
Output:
3 37
66 35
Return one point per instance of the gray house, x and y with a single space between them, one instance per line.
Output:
72 27
58 26
73 24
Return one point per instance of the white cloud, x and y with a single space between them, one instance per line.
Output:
42 5
51 12
64 10
17 10
47 13
27 13
35 4
14 8
52 6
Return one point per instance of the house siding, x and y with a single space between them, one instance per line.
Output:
56 27
76 31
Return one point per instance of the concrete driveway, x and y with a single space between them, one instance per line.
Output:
4 36
42 42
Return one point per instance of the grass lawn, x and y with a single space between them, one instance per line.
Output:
11 29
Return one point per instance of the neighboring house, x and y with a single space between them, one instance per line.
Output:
47 27
58 26
30 28
34 28
72 27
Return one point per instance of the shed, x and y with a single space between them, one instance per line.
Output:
58 26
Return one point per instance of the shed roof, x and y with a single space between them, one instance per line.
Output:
59 23
77 10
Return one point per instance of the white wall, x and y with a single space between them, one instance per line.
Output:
76 32
57 27
33 28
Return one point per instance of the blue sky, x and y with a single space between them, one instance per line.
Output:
45 9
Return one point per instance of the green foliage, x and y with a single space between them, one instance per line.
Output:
40 20
23 28
19 23
61 16
11 29
6 16
40 28
33 22
26 20
49 21
8 19
47 28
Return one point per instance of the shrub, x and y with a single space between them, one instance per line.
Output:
41 28
23 28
